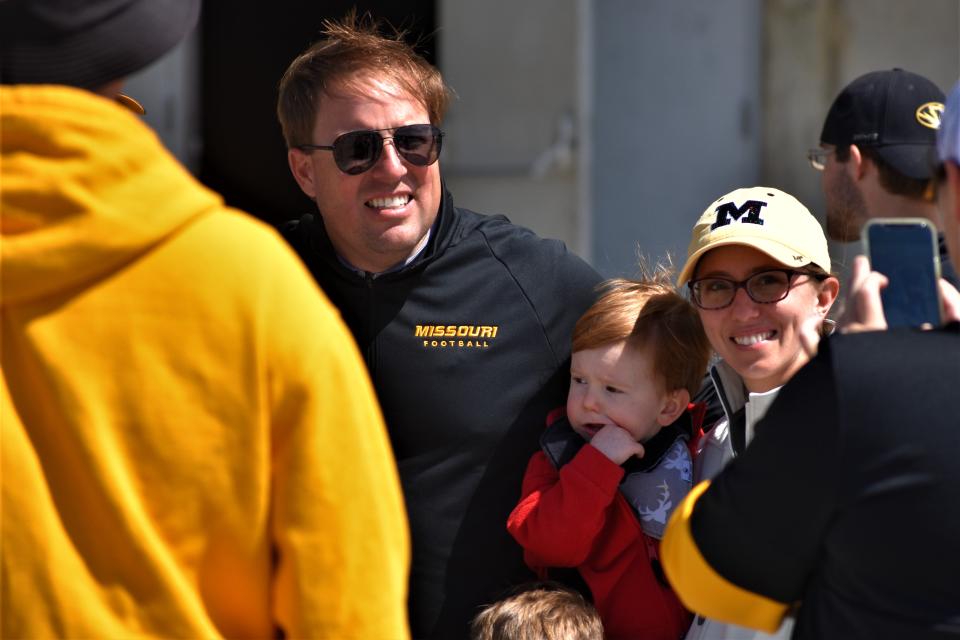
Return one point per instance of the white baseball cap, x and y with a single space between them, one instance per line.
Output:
764 218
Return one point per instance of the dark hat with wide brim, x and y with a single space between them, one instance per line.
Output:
87 43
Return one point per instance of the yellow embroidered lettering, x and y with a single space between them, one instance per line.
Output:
456 331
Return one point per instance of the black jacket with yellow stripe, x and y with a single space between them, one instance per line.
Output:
844 506
468 348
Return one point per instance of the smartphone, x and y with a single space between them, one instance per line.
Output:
905 251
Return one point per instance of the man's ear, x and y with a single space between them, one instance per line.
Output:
673 404
857 164
301 166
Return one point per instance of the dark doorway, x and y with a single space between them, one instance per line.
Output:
246 47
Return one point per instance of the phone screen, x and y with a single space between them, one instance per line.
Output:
906 253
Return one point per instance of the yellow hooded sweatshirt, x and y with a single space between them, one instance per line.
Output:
191 447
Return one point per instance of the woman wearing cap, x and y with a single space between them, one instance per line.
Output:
758 270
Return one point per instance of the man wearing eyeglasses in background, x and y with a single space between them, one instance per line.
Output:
464 320
878 152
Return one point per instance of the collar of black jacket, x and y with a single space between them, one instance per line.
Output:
446 229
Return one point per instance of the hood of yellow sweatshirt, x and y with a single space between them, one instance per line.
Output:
85 188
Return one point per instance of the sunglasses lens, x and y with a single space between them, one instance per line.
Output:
357 151
419 144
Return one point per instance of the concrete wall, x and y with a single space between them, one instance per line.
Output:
607 123
675 121
512 131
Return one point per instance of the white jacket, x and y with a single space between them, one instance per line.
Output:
715 450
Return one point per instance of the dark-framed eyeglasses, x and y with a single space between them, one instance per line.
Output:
818 157
764 287
357 151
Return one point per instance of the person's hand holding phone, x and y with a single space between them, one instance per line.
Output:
864 310
951 301
904 290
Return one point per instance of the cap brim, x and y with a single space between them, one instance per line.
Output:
916 161
786 256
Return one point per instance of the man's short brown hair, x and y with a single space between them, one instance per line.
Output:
539 611
352 50
890 179
649 314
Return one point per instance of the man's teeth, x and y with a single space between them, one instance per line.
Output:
746 341
388 203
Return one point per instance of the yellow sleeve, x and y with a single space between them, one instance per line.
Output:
338 520
702 589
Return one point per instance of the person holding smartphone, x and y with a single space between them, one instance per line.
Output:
843 509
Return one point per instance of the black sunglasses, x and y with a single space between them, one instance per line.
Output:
357 151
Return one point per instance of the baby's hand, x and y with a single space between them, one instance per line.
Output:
617 444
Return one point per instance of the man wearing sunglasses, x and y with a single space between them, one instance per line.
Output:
464 319
877 154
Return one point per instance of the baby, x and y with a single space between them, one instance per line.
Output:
598 495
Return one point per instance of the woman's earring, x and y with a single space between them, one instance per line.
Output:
828 327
